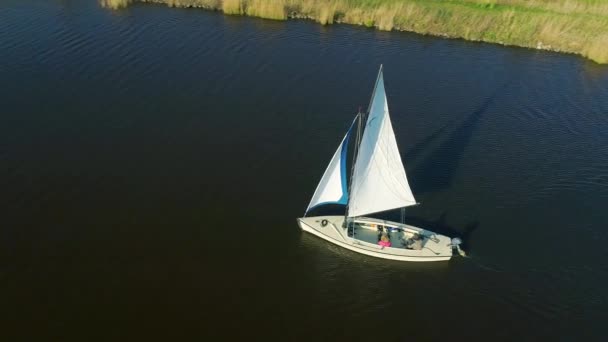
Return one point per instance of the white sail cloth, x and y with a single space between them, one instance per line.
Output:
379 182
333 187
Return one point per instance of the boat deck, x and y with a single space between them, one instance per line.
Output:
430 246
397 237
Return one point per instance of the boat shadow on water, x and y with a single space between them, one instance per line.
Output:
435 172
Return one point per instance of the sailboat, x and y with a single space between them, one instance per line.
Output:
377 183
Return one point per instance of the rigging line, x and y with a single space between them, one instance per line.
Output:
352 170
431 250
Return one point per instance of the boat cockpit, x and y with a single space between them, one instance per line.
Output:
400 236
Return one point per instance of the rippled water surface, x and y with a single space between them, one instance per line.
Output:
153 162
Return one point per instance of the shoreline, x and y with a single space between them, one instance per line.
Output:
575 30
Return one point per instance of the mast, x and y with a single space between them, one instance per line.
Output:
360 128
352 168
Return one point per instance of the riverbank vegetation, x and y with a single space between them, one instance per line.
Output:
575 26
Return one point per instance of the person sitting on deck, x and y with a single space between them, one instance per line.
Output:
384 241
415 242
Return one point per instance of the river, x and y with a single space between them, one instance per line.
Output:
153 162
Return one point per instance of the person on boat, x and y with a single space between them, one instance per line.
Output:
384 241
415 242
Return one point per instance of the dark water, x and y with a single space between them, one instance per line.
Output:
153 162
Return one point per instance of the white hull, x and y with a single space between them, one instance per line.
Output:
435 247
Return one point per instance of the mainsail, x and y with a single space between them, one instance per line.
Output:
333 187
379 182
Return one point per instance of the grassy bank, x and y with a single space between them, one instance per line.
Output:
575 26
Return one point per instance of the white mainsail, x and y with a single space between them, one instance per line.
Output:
379 182
333 188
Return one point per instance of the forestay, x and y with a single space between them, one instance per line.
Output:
333 187
379 182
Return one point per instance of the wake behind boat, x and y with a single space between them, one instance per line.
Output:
377 183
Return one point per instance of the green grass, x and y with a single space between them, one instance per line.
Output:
116 4
574 26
